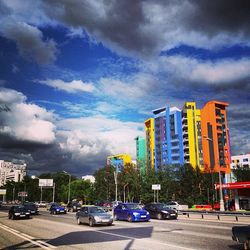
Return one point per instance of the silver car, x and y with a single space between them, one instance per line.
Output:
93 215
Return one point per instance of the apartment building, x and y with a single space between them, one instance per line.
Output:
11 172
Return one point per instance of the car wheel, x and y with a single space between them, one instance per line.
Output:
13 217
54 212
129 218
28 217
78 221
159 216
9 216
246 245
91 222
115 217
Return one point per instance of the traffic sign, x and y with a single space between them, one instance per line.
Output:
226 197
22 194
156 187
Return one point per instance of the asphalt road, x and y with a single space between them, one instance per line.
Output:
61 231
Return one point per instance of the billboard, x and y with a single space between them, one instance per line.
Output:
118 164
45 182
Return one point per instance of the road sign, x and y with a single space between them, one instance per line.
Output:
2 191
226 197
45 182
156 187
22 194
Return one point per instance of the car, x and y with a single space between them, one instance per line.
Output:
93 215
73 206
31 207
41 203
131 212
241 234
56 208
160 211
175 205
107 205
17 212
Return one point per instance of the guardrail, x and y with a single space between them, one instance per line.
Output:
218 214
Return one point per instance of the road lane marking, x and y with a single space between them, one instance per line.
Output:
26 237
145 240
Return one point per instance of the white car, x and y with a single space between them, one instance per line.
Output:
175 205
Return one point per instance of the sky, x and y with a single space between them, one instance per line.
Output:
78 78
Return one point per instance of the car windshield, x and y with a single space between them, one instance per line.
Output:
134 206
161 205
96 210
55 204
30 206
20 209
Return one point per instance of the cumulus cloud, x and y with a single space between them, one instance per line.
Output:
23 121
74 86
147 27
30 41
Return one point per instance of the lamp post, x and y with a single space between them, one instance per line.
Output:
69 184
115 176
222 208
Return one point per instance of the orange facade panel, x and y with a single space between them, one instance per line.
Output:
215 137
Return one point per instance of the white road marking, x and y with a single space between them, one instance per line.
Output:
29 238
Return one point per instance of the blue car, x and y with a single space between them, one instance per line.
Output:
56 208
131 212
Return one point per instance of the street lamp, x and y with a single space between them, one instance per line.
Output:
222 208
69 184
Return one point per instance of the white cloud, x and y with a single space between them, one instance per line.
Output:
185 69
74 86
97 134
24 121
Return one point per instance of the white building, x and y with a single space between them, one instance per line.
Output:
240 161
11 172
90 178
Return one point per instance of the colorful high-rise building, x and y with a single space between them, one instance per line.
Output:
215 137
191 128
150 143
119 161
168 137
141 153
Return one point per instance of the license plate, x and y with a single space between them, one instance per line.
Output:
172 214
105 220
143 216
22 215
61 211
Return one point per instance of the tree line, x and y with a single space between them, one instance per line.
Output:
184 184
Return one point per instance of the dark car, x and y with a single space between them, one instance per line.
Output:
31 207
73 206
17 212
56 208
93 215
130 212
241 234
160 211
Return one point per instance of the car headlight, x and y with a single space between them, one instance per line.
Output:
136 214
17 213
97 218
165 212
147 213
57 209
27 213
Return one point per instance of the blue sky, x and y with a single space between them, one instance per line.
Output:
78 78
